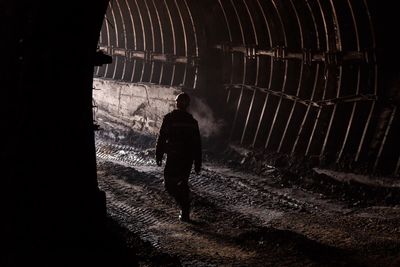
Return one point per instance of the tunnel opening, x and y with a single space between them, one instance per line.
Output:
297 103
291 96
301 79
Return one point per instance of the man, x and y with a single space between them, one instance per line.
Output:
179 138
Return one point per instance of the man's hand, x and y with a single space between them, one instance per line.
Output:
159 162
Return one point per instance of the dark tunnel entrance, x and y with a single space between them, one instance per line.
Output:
297 102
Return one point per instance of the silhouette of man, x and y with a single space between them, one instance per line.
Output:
179 138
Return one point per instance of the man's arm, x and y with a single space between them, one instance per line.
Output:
161 142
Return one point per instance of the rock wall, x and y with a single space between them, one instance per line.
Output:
139 107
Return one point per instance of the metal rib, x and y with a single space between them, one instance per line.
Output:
261 116
339 84
230 39
125 38
284 79
371 25
257 74
173 40
162 41
108 41
300 77
326 75
270 75
365 131
134 39
333 114
196 43
270 43
384 138
144 39
152 40
185 40
244 70
396 171
306 114
116 39
358 83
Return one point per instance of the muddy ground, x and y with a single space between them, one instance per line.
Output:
241 217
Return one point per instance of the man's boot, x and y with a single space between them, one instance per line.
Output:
184 214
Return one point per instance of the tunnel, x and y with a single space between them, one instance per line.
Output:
293 77
297 107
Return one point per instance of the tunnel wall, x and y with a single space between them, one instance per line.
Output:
139 107
302 78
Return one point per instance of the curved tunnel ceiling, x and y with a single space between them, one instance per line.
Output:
298 77
151 41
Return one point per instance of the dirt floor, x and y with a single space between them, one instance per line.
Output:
241 218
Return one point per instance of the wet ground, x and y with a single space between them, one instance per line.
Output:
242 219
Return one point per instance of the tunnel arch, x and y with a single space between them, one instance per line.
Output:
153 41
297 77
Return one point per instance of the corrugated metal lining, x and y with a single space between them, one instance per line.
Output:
301 76
152 41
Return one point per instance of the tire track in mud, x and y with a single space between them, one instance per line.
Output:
210 182
122 153
238 192
136 198
154 218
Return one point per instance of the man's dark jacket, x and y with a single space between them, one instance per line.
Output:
180 139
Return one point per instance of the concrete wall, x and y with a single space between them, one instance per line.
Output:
137 106
123 107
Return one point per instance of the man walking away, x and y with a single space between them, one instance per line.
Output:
179 138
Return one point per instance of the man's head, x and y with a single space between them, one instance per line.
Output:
182 101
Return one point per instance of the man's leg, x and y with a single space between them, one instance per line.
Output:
176 179
179 190
183 199
171 187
